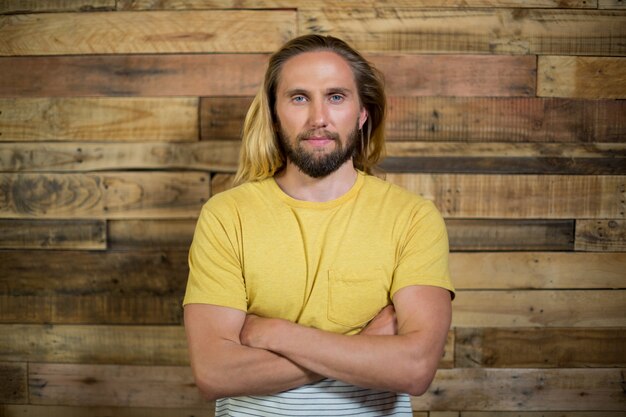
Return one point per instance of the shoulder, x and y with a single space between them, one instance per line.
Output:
393 195
242 195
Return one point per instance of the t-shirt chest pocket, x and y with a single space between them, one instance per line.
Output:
355 297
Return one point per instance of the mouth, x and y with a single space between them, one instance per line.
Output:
318 141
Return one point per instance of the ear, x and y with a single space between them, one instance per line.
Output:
362 117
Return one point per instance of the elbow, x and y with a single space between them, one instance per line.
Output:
209 387
418 382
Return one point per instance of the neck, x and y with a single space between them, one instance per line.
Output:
300 186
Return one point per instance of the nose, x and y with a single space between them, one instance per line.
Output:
318 117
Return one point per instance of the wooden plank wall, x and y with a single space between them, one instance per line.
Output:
120 118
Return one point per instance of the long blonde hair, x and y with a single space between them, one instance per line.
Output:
261 155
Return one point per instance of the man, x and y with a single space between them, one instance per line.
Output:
315 288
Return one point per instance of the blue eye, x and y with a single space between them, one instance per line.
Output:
299 99
336 98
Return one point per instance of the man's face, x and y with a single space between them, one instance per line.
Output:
319 113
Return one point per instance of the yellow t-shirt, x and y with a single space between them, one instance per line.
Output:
330 265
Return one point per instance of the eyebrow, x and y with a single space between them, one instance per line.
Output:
298 91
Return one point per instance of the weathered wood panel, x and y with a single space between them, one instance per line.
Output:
524 390
13 384
215 156
545 308
105 195
611 4
130 345
146 32
122 345
540 348
465 119
207 410
53 234
145 234
32 6
552 270
509 196
132 75
542 414
460 389
501 31
313 4
582 77
600 235
108 119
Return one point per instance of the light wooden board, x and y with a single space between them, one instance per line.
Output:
146 32
476 234
543 414
538 270
462 119
30 6
89 119
601 235
545 308
103 195
13 383
524 390
218 4
460 389
207 410
582 77
53 234
540 348
215 156
132 75
501 31
611 4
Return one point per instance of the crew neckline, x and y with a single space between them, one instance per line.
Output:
293 202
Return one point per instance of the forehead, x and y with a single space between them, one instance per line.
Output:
322 69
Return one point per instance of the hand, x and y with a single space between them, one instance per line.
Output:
384 324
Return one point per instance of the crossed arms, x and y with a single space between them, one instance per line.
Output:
236 354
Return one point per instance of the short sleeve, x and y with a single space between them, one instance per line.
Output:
215 273
423 257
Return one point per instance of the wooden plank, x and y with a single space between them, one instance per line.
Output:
215 156
549 270
499 31
103 195
144 234
477 234
581 77
132 75
540 348
526 196
128 345
524 390
543 414
96 119
207 410
113 385
462 119
506 119
539 308
146 32
53 234
600 235
13 384
611 4
314 4
36 6
79 287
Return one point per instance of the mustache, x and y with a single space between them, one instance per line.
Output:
317 133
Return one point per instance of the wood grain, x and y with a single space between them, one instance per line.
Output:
53 234
14 383
524 390
132 75
537 270
582 77
103 195
601 235
36 6
207 410
146 32
215 156
98 119
611 4
499 31
544 308
150 234
540 348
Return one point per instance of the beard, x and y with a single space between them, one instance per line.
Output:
318 163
